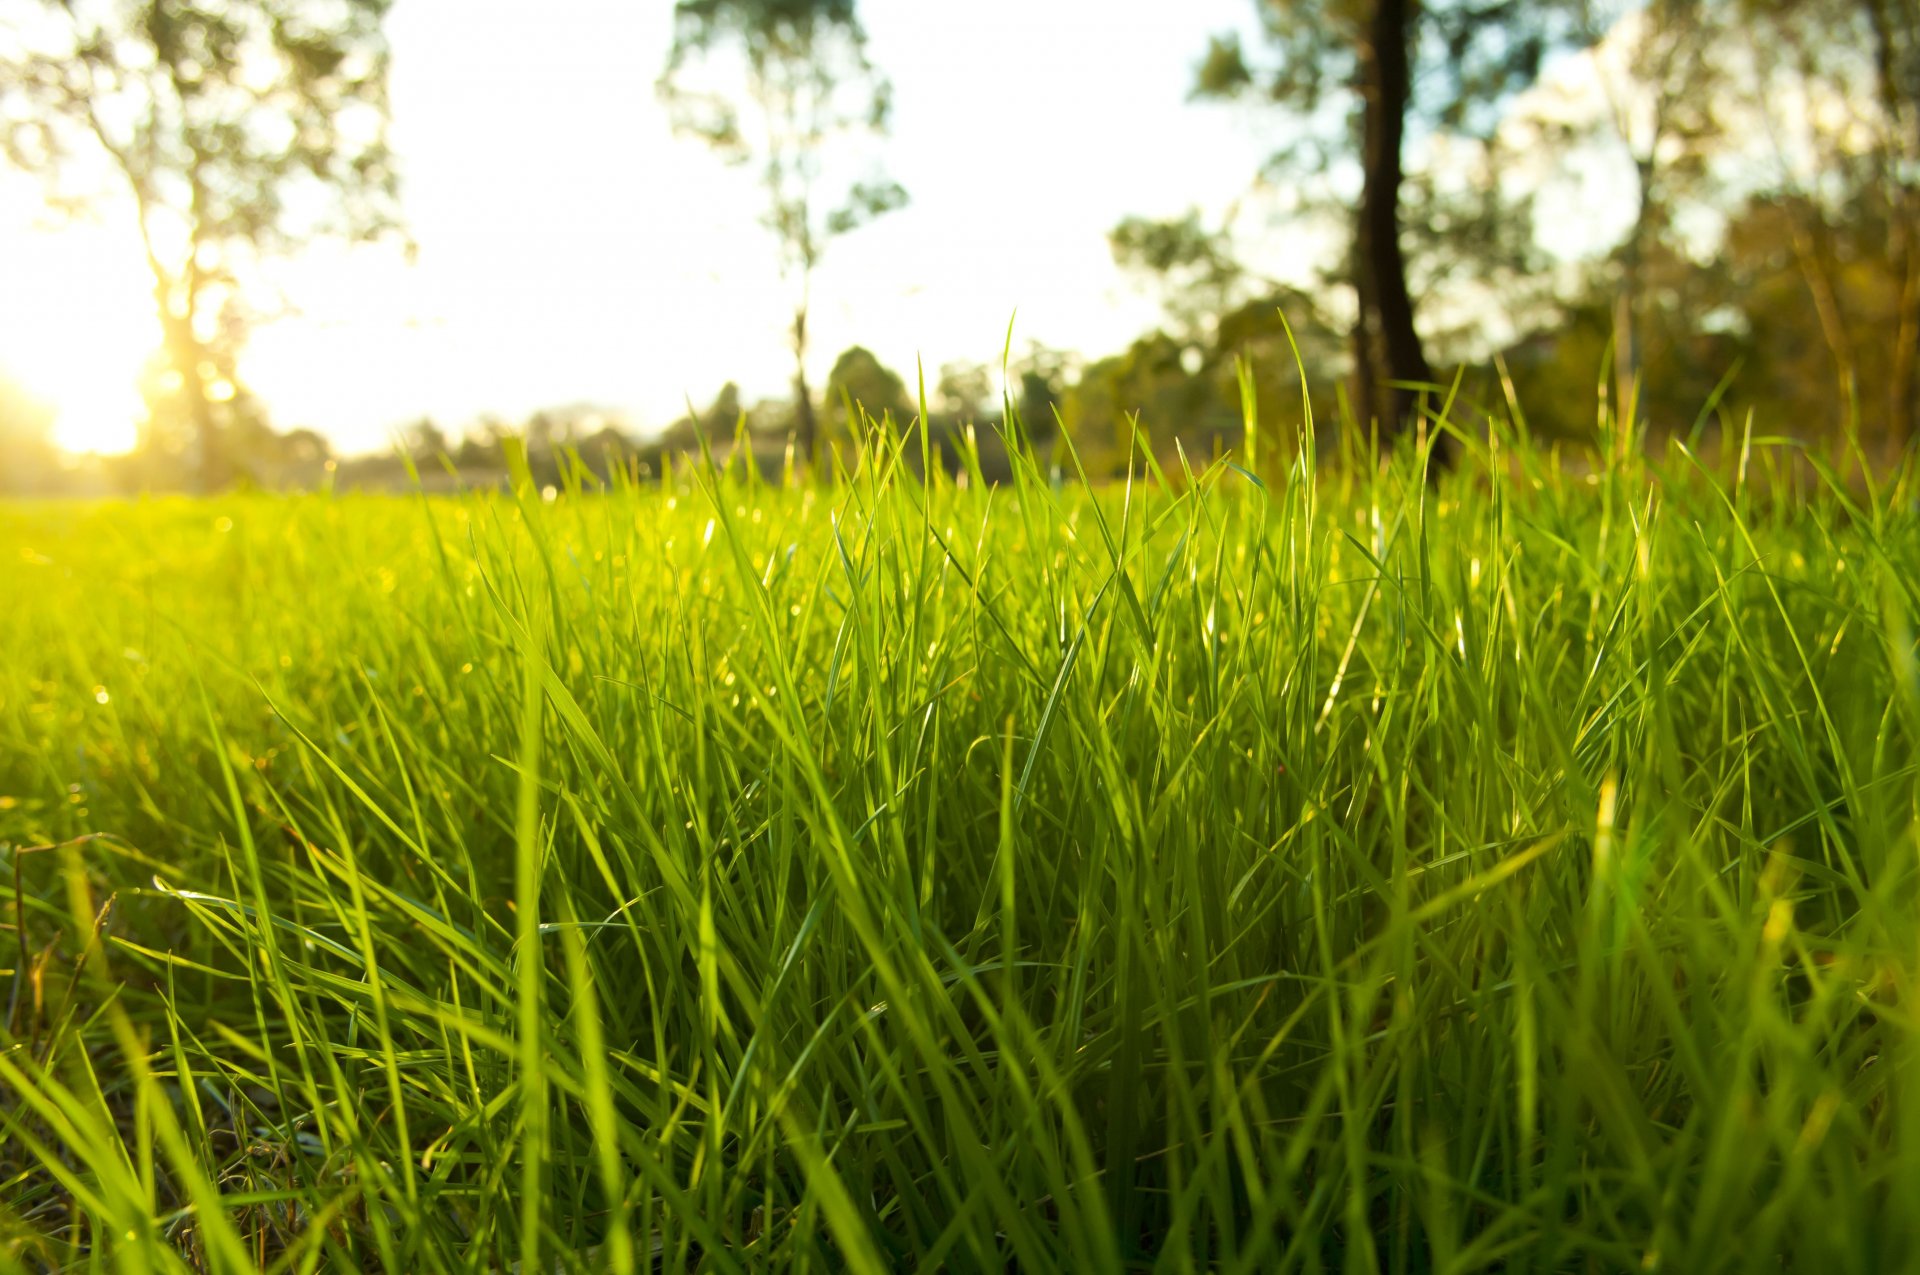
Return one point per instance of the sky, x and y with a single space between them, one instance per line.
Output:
570 249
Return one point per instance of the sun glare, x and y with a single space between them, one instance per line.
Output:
95 415
77 329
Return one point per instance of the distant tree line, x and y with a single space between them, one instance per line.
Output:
234 131
1770 264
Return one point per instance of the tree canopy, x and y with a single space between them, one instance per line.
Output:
1352 78
800 69
226 129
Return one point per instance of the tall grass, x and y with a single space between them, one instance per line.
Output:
1292 871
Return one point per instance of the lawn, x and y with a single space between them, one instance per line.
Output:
1323 870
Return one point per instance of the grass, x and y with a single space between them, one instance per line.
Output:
1304 872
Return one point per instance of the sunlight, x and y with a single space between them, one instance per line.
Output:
95 415
83 327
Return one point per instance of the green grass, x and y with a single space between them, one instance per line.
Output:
1331 873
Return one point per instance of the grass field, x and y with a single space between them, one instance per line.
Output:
1336 873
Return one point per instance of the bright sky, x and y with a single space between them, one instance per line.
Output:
570 248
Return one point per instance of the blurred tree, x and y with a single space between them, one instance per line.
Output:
483 444
716 424
1659 69
802 67
1157 379
542 432
1895 25
1222 310
1039 389
606 450
773 417
722 416
1792 128
1742 307
1836 86
859 378
1274 349
1354 74
963 391
1851 328
1200 275
304 447
237 127
424 439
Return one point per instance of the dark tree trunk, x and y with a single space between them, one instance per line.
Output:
1632 345
1903 254
1392 346
1900 388
805 429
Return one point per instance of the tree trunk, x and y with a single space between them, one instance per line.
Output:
805 429
1900 146
187 359
1386 305
214 470
1630 347
1813 251
1900 390
1367 377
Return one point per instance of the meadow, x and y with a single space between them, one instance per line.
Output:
1293 866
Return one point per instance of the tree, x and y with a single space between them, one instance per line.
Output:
801 66
483 444
1200 274
1041 376
424 439
1663 92
1838 82
1793 124
963 390
716 424
723 415
861 379
236 127
1353 74
1806 319
1157 382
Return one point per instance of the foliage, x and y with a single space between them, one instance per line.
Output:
1328 872
1201 274
1773 162
715 424
1357 79
232 128
861 384
801 66
963 390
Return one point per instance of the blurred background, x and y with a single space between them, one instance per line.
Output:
279 242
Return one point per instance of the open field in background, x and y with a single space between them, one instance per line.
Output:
1312 873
